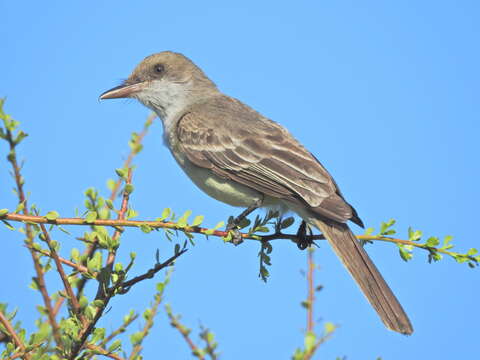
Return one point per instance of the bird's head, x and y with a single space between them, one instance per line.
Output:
164 82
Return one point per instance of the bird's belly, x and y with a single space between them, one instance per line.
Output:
219 188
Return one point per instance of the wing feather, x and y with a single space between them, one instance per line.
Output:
237 143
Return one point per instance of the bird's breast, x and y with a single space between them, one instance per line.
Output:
221 189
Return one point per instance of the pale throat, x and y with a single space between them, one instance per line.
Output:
168 100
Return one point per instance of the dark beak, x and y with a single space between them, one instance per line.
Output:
122 91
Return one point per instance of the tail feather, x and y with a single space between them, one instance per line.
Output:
367 276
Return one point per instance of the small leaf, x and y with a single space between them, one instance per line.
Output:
111 184
91 217
121 173
146 228
109 204
129 189
3 212
165 214
310 340
197 221
52 215
329 328
287 222
115 345
432 241
472 252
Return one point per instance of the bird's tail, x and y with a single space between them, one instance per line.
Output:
365 273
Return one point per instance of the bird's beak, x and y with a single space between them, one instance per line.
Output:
122 91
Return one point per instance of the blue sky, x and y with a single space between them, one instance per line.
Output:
385 94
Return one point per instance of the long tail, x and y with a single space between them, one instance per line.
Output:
365 273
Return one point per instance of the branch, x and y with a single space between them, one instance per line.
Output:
66 284
103 352
146 328
121 329
311 290
185 332
12 333
13 141
126 285
135 147
470 256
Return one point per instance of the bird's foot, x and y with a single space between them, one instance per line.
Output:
234 231
235 223
303 241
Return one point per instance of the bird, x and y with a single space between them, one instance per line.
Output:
239 157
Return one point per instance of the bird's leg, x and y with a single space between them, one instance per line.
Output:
303 241
233 223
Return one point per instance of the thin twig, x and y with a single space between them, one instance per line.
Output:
104 352
132 154
311 290
121 216
121 329
113 195
12 333
40 279
185 334
309 354
209 232
77 267
146 328
126 285
66 284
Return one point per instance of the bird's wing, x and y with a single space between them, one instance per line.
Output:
237 143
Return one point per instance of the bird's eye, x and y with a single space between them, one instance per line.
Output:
159 68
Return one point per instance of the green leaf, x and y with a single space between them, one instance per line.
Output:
109 204
129 189
165 214
404 254
146 228
369 231
3 212
121 173
131 213
197 221
472 252
160 287
111 184
287 222
20 207
310 340
52 215
183 221
211 231
432 241
115 346
91 217
329 328
136 338
262 229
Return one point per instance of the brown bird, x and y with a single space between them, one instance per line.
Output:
239 157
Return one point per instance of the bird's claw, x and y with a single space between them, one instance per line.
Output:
233 230
303 241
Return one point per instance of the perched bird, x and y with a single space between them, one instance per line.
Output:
241 158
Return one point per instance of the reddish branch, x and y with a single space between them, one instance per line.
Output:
40 279
12 333
132 154
146 328
66 284
185 334
311 291
103 352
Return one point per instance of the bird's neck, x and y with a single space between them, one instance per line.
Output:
175 100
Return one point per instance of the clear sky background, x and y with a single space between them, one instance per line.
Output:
384 93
